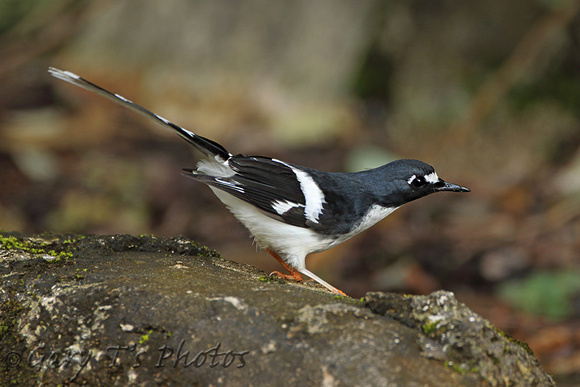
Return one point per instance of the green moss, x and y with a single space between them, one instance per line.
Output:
264 278
460 369
145 338
38 248
9 311
352 301
511 339
429 328
10 243
3 330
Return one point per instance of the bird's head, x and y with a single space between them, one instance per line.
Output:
408 180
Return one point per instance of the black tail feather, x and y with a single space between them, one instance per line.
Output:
205 145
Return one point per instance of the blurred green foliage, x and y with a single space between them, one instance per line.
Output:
12 11
561 85
550 294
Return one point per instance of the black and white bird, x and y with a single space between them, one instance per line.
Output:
290 210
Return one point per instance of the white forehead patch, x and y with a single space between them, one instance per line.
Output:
432 178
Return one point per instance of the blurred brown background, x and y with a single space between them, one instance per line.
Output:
487 91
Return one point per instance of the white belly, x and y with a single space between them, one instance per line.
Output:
292 243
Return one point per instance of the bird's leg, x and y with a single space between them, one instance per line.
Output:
294 274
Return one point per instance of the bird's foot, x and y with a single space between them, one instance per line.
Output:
288 277
294 274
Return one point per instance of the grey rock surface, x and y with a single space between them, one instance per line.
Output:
122 310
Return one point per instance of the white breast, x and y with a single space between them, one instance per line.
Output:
375 214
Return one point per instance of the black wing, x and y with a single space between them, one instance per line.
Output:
265 183
268 184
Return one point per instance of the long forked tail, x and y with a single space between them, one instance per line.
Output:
207 146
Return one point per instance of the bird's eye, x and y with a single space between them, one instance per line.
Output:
418 182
